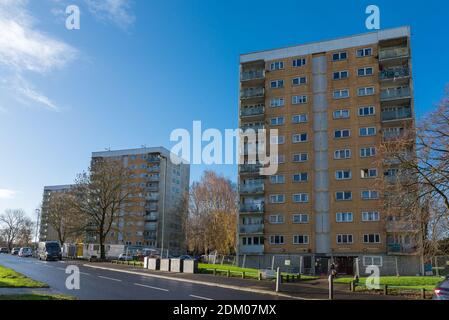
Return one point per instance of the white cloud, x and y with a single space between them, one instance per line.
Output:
7 194
115 11
23 49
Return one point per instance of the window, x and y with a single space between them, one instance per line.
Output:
365 91
363 72
371 238
389 133
277 139
364 52
370 216
370 194
366 111
299 80
277 102
343 174
367 152
277 198
276 219
367 131
391 172
300 218
341 94
277 121
300 197
344 217
300 239
276 84
368 173
299 118
340 75
372 261
344 238
344 133
301 177
277 239
341 114
299 62
300 157
342 154
343 195
278 65
301 137
299 99
276 179
280 158
340 56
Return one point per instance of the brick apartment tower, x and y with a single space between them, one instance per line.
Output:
333 103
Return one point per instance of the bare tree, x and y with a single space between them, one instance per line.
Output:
63 216
100 195
12 224
25 236
211 224
416 178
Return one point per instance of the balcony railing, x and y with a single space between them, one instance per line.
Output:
396 113
394 73
258 249
395 93
253 207
398 226
154 169
251 228
252 75
252 188
252 93
254 127
252 111
153 178
153 159
153 216
151 207
399 248
250 168
149 237
391 53
153 197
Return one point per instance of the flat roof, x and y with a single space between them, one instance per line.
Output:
137 151
58 188
327 45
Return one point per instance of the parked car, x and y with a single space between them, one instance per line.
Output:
185 257
25 252
125 257
15 251
4 250
441 291
49 250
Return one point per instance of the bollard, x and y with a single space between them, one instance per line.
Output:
228 273
423 293
288 278
243 274
278 279
215 272
331 287
259 276
386 290
351 286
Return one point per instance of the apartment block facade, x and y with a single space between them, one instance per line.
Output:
46 231
153 217
333 103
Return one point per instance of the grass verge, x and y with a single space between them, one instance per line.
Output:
36 297
407 282
12 279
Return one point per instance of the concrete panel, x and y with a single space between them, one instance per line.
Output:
176 265
165 264
190 266
154 263
320 121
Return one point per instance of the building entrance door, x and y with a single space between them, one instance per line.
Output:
345 265
321 266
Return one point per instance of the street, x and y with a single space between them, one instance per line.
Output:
103 284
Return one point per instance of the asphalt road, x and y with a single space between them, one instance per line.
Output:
111 285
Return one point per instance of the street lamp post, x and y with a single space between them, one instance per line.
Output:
163 207
38 216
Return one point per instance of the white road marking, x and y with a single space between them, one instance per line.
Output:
103 277
85 273
156 288
199 297
59 268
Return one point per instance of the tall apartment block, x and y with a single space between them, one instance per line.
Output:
46 231
333 103
152 218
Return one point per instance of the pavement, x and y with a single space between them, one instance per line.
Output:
123 282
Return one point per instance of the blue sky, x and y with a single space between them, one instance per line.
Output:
138 69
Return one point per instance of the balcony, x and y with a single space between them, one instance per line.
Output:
250 168
252 188
251 228
400 226
152 197
153 159
253 127
253 111
252 208
394 93
249 75
255 249
251 93
394 73
152 188
151 207
401 249
393 53
396 113
153 177
149 237
151 217
154 169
